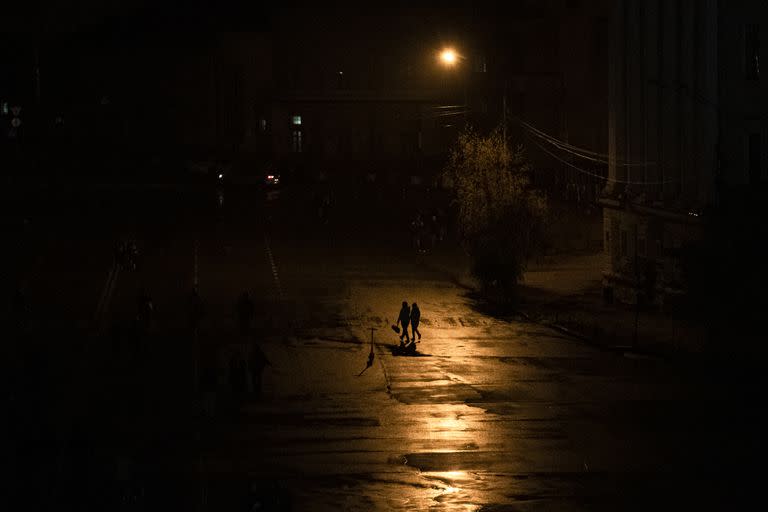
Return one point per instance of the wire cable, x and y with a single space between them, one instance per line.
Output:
579 152
595 175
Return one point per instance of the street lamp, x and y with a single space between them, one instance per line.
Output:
449 57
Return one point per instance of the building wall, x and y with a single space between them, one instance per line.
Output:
743 98
663 135
364 93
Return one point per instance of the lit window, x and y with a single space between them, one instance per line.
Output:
296 120
5 108
752 51
296 145
263 124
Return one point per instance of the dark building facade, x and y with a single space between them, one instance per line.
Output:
358 90
355 94
687 117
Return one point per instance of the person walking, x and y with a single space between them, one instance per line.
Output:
417 229
403 319
438 224
434 229
415 319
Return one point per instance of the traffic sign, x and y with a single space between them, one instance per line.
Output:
15 122
16 110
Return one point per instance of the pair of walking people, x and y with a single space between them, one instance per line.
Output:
409 316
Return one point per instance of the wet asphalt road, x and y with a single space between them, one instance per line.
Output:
493 413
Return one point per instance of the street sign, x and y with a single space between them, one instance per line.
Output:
16 110
15 122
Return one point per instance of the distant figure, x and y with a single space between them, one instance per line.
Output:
196 309
133 255
434 229
120 254
257 361
127 254
403 319
324 206
145 310
442 229
415 319
417 228
245 311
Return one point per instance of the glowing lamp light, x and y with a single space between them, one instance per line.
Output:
448 57
221 176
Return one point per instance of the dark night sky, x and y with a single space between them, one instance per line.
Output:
73 37
50 17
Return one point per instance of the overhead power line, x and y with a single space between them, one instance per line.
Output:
577 151
595 175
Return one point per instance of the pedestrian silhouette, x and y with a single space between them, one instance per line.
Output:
403 319
120 253
133 255
245 311
417 229
415 319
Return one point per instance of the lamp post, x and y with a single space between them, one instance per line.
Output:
449 58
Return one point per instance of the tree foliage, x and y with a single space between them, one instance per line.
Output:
501 219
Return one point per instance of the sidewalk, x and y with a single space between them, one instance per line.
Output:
565 292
